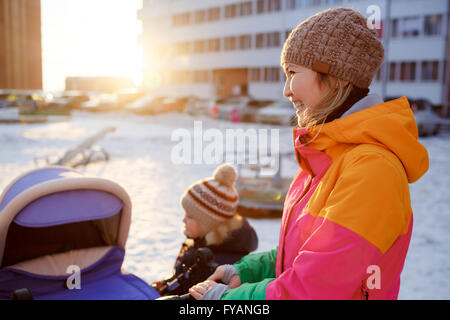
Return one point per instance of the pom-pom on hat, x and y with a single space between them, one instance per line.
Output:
213 200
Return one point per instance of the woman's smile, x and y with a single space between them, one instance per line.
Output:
298 106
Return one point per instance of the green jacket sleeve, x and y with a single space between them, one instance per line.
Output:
257 266
248 291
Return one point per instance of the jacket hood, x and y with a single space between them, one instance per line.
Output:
388 124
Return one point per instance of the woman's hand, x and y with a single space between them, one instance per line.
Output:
218 275
199 290
225 273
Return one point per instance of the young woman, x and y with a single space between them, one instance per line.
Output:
347 218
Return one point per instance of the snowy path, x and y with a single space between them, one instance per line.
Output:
140 152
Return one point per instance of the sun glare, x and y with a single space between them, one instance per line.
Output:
90 38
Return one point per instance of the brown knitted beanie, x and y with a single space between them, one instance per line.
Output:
338 42
213 200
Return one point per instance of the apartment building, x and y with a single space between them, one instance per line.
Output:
222 47
100 84
20 44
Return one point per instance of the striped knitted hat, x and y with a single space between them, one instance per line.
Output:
213 200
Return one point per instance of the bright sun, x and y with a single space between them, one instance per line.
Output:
90 38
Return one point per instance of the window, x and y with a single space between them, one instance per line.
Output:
392 71
411 27
200 76
271 74
268 40
433 25
259 40
186 18
378 75
246 8
181 48
286 34
175 49
430 70
394 27
199 16
230 11
290 4
186 77
186 47
408 71
448 29
230 43
199 46
181 19
245 42
267 74
273 39
406 27
379 30
213 14
260 6
313 3
214 45
255 75
445 74
276 74
180 77
293 4
274 5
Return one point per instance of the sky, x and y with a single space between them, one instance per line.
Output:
90 38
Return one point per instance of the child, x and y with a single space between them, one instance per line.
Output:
215 233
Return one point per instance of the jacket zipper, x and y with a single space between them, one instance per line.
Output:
364 291
305 190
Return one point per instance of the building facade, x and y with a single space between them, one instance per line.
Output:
222 47
20 44
101 84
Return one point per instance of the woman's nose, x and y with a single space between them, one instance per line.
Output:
287 89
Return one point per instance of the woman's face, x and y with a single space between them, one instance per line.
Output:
190 227
302 87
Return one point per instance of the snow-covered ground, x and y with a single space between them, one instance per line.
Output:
141 162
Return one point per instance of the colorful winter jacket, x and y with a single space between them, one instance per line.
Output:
347 217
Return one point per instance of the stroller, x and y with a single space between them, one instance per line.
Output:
63 235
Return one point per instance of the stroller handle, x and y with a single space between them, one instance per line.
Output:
186 296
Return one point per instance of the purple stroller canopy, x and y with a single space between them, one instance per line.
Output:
34 178
62 207
58 196
67 207
54 217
